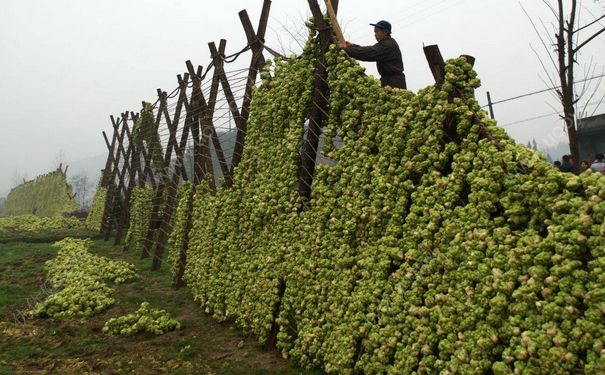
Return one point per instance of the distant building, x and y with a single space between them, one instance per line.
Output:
591 136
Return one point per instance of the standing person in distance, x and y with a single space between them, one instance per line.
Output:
567 164
386 53
599 164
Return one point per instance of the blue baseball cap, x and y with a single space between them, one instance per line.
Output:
383 25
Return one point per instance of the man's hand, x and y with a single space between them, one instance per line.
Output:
348 44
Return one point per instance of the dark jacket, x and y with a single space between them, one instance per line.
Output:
567 167
388 59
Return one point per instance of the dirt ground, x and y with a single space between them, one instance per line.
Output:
78 346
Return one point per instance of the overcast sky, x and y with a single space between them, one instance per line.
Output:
66 65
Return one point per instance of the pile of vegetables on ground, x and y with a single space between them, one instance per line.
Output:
145 319
32 223
80 281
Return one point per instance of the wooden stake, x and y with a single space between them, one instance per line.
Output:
110 155
240 122
159 192
172 183
202 121
109 210
148 175
108 172
134 139
317 117
436 63
437 66
135 163
334 22
256 63
125 202
179 280
158 201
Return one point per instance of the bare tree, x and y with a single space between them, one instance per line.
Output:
81 186
567 43
296 29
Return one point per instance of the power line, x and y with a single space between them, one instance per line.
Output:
449 6
529 119
540 91
424 11
541 116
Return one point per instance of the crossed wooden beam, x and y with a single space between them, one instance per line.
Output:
199 122
135 159
119 192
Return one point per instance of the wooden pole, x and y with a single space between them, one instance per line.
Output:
437 66
193 114
218 148
109 210
257 62
135 169
108 172
436 63
146 149
334 22
110 155
240 121
202 121
172 183
156 221
125 202
179 281
126 154
159 191
135 163
319 108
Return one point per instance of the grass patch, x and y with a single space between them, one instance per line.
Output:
45 236
21 274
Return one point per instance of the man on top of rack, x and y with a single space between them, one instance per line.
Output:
386 53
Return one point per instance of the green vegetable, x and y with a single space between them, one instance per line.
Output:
80 281
145 319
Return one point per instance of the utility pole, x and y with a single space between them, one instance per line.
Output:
490 105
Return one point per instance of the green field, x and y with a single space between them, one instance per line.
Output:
77 346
